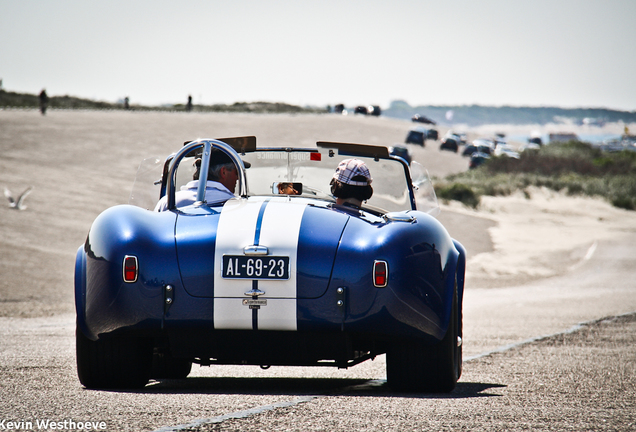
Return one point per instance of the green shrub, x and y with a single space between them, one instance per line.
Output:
624 202
459 192
576 168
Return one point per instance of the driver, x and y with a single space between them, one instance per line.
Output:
351 183
220 186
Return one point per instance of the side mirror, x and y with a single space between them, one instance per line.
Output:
287 188
419 175
425 193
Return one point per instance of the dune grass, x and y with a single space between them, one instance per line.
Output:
576 168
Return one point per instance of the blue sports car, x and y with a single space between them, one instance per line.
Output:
282 273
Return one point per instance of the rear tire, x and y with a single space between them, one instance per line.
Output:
113 363
164 366
415 366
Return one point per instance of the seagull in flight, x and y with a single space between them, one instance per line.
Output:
17 204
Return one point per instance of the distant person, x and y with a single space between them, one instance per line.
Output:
189 104
351 183
44 101
220 186
126 103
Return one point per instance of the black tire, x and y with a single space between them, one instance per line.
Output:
113 363
415 366
164 366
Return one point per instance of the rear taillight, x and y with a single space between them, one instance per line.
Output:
380 274
131 268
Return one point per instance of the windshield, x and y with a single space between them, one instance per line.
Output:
308 173
314 171
147 185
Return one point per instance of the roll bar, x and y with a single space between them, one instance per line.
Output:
207 145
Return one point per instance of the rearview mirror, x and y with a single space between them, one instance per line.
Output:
287 188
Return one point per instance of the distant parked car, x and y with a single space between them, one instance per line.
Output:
477 159
339 108
485 142
432 134
479 145
462 138
417 136
422 119
469 150
499 142
401 151
530 146
506 151
450 144
374 110
562 137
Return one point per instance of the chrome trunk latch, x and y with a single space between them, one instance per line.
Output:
254 292
255 250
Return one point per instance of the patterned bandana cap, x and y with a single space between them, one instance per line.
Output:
349 168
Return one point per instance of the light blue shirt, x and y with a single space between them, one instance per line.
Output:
215 193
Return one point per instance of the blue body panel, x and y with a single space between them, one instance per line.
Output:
336 249
420 257
195 237
103 301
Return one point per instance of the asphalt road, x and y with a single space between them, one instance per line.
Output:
529 366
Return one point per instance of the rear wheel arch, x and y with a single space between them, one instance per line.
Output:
413 365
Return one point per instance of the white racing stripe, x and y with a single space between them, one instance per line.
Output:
279 231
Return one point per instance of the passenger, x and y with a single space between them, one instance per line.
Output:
220 187
351 183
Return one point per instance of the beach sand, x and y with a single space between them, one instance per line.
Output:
543 234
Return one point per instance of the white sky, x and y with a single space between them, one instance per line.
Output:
567 53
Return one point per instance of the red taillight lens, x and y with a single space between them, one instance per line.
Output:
131 269
380 274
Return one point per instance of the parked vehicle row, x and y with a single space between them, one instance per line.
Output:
373 110
479 150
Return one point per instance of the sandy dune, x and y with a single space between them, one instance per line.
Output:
545 235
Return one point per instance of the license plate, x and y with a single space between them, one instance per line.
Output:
251 267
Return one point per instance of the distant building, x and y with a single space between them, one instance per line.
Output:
562 137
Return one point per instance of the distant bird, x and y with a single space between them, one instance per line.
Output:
17 204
